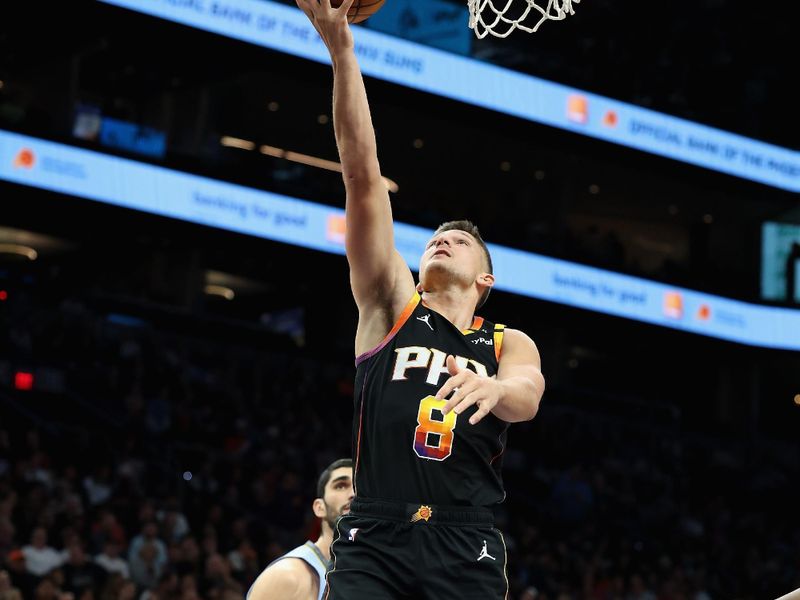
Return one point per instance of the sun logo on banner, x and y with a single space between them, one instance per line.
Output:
25 159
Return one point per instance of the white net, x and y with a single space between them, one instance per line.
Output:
486 18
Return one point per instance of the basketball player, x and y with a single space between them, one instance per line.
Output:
427 463
300 574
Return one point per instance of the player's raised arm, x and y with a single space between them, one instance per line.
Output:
378 275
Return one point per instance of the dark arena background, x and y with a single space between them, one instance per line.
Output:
176 324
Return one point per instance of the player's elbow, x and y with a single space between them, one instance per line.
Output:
359 169
358 181
531 410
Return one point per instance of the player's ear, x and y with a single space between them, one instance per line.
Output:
419 287
319 508
486 279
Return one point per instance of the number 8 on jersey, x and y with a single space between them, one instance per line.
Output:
433 437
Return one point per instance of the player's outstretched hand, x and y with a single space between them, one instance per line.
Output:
331 23
468 388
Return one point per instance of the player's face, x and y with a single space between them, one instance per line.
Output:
338 494
455 252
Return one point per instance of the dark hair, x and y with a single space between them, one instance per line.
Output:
325 476
472 229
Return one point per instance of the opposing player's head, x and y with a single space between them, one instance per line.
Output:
334 491
457 253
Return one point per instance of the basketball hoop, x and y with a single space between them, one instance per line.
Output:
485 18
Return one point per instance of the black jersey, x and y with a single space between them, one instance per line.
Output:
404 448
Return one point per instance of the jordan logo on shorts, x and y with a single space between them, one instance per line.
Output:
425 319
484 553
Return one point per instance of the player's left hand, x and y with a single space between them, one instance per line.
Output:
469 388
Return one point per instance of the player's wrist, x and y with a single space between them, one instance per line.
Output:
342 52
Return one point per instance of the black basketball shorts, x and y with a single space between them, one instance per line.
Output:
390 551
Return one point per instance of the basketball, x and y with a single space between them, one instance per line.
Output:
361 9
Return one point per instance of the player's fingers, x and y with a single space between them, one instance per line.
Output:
451 404
305 7
482 411
466 402
452 366
459 393
449 385
346 5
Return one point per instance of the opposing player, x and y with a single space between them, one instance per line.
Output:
427 464
300 574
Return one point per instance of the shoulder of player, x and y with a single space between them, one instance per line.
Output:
518 342
287 579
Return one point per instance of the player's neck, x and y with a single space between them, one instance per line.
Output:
453 305
324 542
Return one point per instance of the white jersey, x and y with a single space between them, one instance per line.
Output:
309 553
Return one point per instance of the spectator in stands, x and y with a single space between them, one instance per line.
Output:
218 579
174 525
149 535
111 561
7 533
98 486
7 590
80 573
638 590
146 566
127 591
40 558
107 529
188 557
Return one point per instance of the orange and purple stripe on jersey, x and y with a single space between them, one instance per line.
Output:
401 320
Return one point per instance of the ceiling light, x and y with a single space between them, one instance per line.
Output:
19 250
233 142
221 291
313 161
